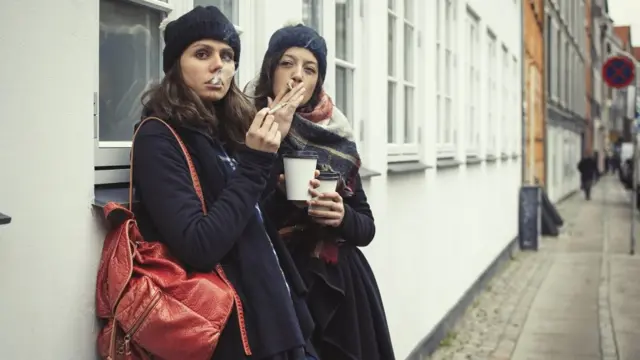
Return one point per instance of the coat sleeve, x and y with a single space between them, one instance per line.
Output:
162 178
358 227
274 202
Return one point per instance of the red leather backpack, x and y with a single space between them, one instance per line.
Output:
150 307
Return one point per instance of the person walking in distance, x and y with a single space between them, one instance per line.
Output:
587 168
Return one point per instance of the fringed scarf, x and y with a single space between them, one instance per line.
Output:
326 131
321 113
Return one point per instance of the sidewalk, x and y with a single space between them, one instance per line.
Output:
577 298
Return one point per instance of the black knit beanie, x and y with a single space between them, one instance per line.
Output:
200 23
300 36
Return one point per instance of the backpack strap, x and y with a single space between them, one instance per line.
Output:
192 169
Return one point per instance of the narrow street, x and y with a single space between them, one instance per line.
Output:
577 298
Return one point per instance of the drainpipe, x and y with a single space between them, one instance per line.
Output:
605 96
545 61
523 108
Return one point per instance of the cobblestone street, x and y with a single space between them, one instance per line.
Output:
576 298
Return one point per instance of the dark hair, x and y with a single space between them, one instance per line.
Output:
227 119
264 85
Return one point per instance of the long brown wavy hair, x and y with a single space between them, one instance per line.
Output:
264 85
227 119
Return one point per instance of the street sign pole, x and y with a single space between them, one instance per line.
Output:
620 72
634 194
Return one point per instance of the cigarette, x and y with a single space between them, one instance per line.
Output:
278 107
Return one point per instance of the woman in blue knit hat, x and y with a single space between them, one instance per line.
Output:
343 296
233 150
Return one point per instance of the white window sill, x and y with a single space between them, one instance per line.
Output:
406 167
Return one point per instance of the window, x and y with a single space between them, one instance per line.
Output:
445 73
129 62
228 7
558 64
505 127
516 104
473 81
491 94
345 65
312 14
402 128
566 74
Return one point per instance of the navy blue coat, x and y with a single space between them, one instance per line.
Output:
232 234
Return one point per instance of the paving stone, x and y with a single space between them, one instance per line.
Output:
576 298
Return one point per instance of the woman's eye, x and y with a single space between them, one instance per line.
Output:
201 54
286 63
310 70
226 57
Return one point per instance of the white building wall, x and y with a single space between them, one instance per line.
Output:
50 250
438 228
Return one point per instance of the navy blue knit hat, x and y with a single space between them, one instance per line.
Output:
200 23
300 36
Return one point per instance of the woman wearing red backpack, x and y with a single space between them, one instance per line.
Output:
233 150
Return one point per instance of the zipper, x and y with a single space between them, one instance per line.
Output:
115 303
124 347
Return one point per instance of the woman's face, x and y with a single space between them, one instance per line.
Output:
201 61
297 65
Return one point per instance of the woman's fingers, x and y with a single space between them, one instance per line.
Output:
258 120
324 214
315 183
294 94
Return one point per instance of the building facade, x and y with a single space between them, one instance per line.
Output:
432 89
534 94
566 101
602 28
624 98
587 148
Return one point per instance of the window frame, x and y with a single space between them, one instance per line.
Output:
112 158
517 105
491 146
505 128
398 149
473 63
316 7
354 67
446 84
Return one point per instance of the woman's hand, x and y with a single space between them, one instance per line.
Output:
328 209
284 115
263 134
313 184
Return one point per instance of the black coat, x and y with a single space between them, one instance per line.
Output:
232 234
588 168
343 298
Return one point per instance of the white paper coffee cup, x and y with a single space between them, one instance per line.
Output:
299 168
328 183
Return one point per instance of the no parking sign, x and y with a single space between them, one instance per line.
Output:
619 72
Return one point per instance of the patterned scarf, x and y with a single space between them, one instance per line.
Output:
322 111
326 131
